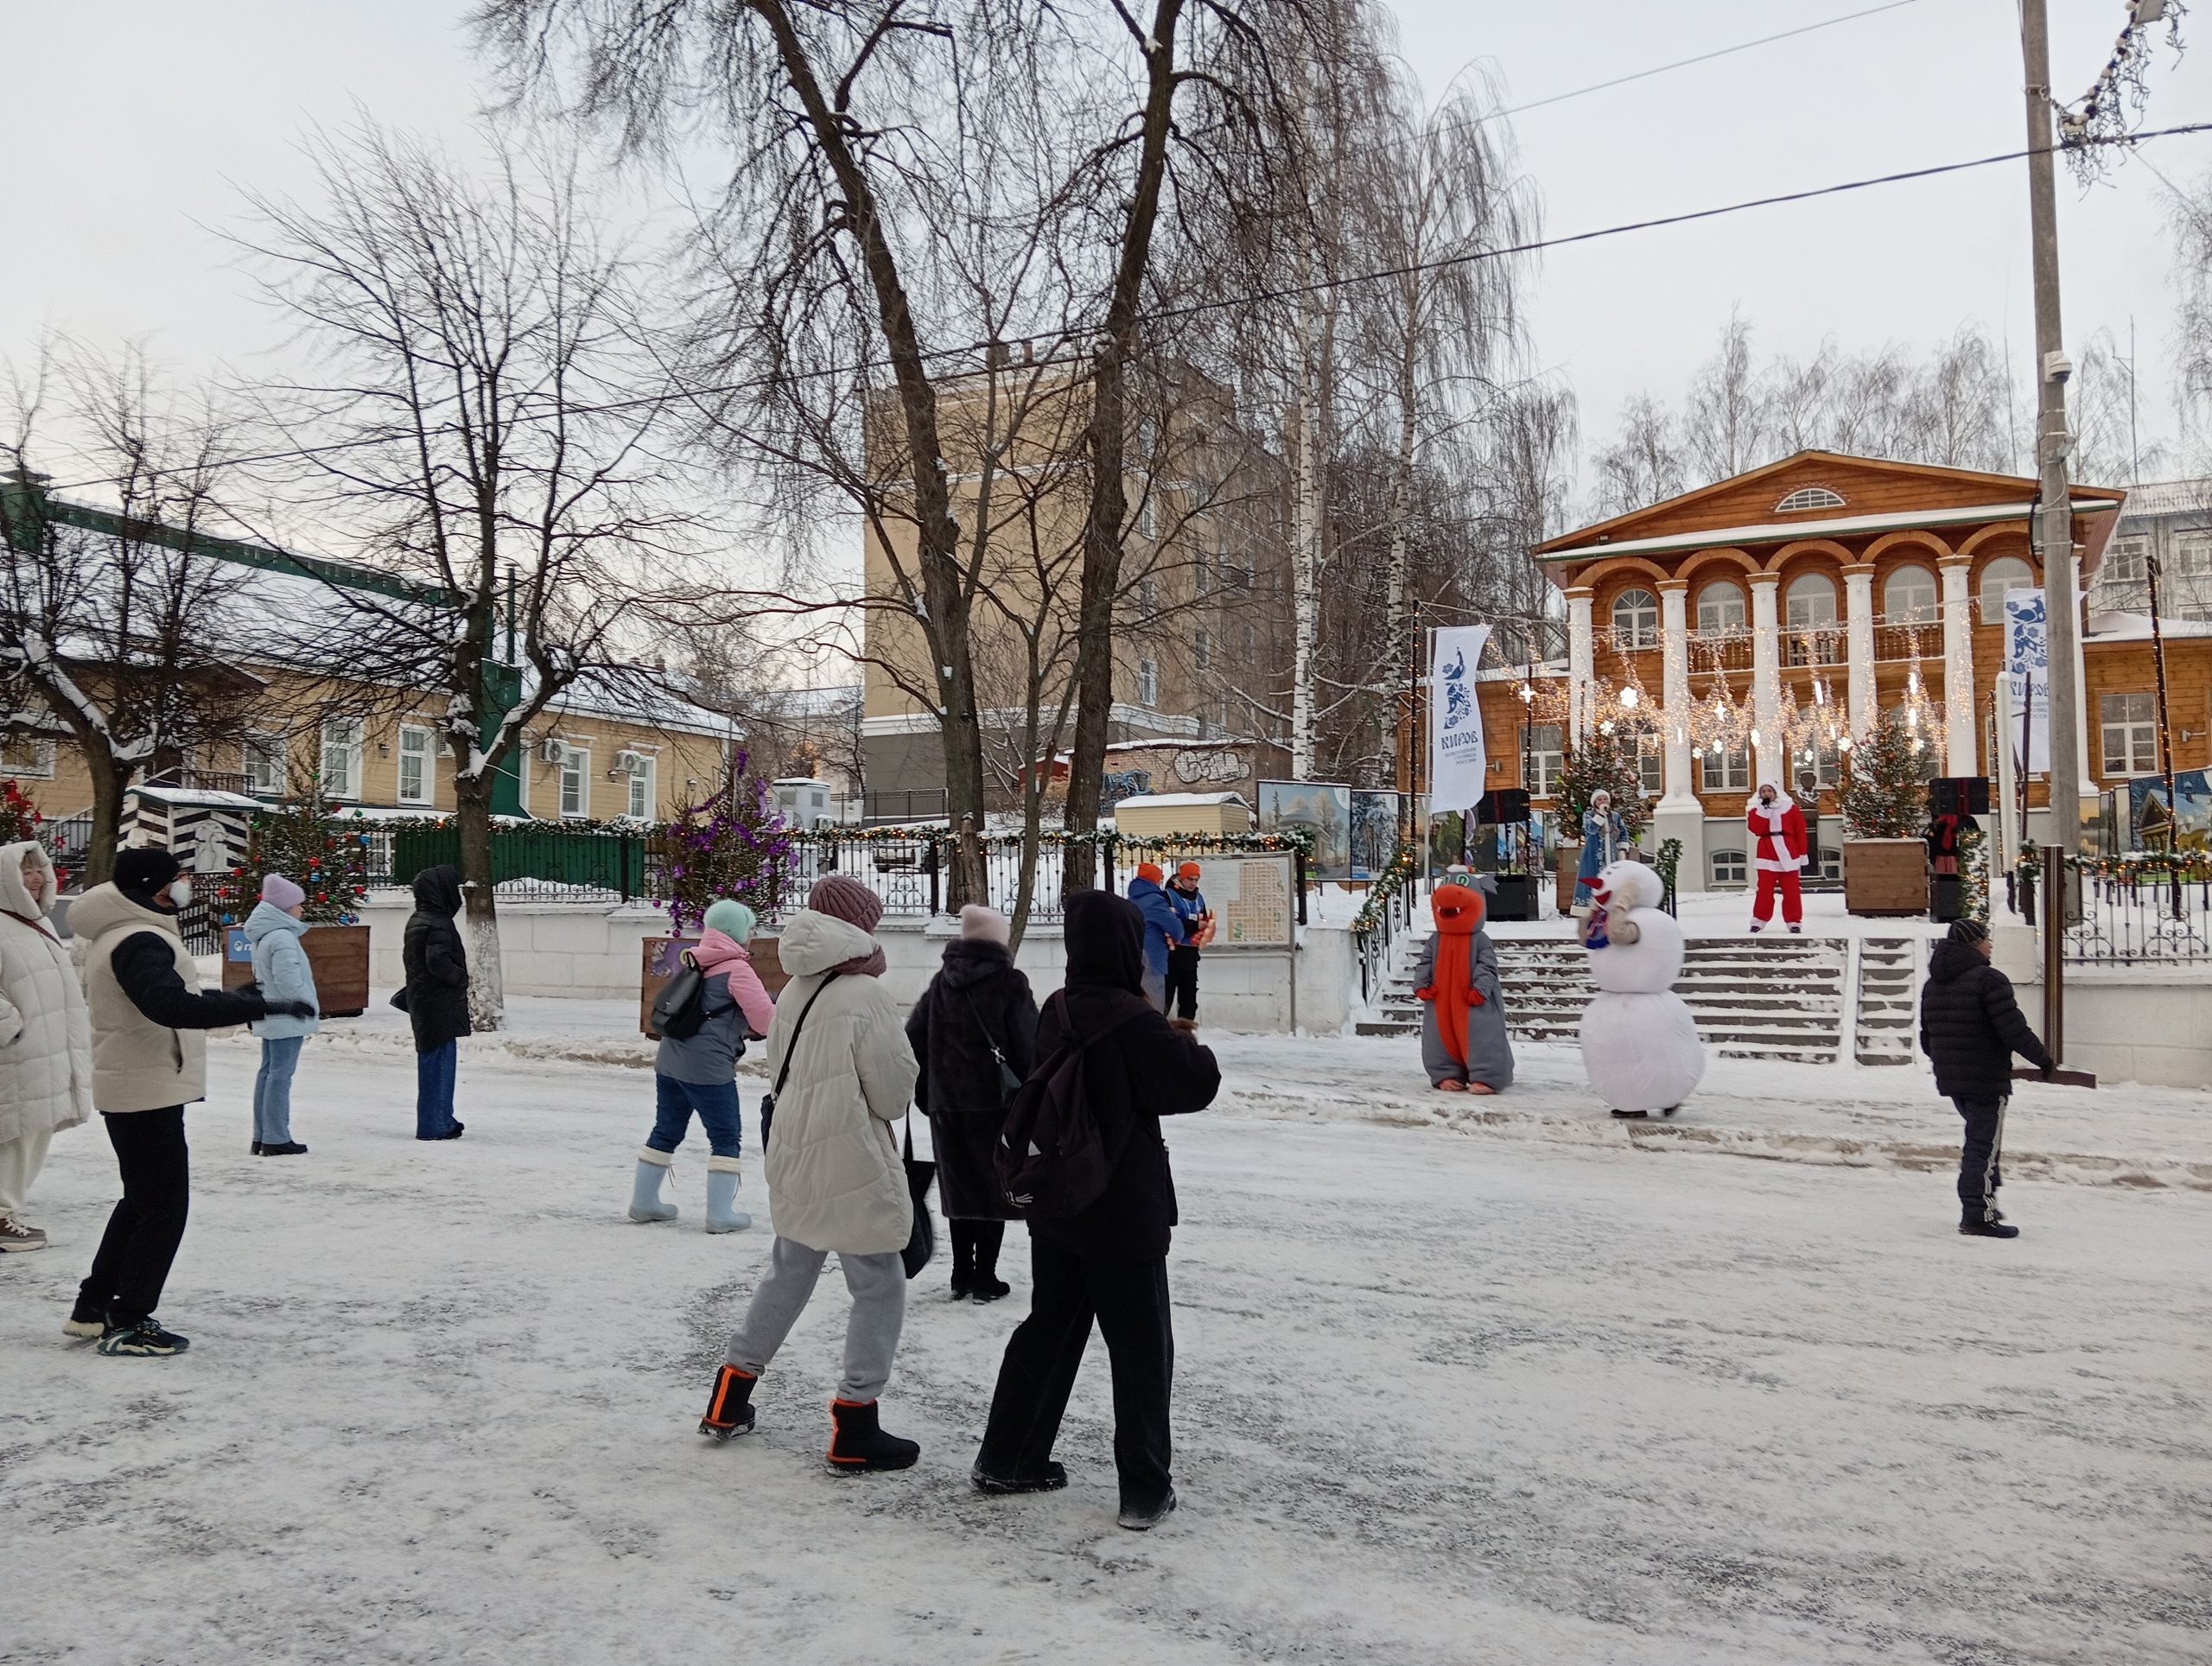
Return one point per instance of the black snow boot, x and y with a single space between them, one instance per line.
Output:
729 1408
987 1286
1975 1227
1052 1479
1140 1518
964 1259
858 1442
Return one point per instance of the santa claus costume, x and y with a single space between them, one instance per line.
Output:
1778 853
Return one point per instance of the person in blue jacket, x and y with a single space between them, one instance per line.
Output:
1163 929
280 967
1190 905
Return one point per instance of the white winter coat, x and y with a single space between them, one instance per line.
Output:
834 1180
46 1038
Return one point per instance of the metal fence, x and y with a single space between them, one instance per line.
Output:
1392 908
2134 922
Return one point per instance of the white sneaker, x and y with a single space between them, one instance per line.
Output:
13 1234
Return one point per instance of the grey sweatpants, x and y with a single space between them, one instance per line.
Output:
878 1284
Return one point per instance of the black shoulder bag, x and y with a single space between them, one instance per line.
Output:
1009 1083
768 1099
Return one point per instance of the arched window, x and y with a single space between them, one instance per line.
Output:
1811 601
2006 572
1720 608
1810 619
1636 620
1908 597
1810 497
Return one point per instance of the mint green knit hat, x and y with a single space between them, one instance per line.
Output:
731 917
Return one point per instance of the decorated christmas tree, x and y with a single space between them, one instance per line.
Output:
1885 795
734 845
1604 758
301 838
19 816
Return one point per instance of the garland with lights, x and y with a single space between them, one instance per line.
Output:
1399 872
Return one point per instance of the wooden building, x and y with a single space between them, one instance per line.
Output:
1831 584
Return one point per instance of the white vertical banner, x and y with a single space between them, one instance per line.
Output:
2027 679
1457 758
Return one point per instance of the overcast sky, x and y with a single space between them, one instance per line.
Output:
129 127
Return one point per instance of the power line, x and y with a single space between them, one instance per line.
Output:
1684 63
977 349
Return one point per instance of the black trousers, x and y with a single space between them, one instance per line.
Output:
132 1263
975 1246
1182 979
1979 1164
1128 1299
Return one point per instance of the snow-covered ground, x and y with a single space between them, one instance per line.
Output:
1494 1381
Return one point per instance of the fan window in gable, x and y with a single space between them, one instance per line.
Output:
1810 497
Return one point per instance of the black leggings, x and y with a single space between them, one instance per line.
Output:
976 1245
132 1263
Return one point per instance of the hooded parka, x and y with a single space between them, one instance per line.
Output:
46 1038
435 962
1143 1071
979 997
834 1178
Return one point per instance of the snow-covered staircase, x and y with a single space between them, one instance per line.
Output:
1773 997
1889 1000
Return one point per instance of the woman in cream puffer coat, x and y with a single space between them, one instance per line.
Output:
46 1041
836 1182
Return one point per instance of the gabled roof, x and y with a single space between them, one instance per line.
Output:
1877 492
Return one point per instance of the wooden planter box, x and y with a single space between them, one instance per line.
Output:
1885 876
661 959
338 956
1569 859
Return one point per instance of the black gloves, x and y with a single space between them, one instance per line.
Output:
291 1008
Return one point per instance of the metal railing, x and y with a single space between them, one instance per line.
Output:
1393 904
2130 914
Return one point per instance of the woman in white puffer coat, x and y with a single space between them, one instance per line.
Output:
46 1038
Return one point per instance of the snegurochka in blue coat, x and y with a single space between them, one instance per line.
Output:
1605 838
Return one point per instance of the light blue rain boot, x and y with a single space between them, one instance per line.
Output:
644 1198
722 1175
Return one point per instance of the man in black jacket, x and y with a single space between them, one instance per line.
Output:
149 1061
1970 1026
436 968
1111 1262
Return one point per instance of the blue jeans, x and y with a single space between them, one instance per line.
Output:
716 1103
272 1089
434 1079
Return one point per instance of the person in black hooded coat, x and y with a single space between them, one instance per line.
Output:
1109 1263
437 998
977 1009
1970 1028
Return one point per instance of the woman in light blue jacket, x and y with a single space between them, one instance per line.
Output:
280 966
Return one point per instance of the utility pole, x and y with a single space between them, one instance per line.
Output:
2053 517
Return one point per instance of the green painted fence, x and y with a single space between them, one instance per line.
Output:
551 855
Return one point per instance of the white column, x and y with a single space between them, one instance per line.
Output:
1679 814
1581 658
1858 645
1766 682
1959 715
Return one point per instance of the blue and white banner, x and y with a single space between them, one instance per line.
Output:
2027 678
1458 761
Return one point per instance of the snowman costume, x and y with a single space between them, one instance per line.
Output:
1640 1046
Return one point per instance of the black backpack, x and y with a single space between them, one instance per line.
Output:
680 1008
1052 1160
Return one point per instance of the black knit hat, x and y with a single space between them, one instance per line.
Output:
145 869
1968 931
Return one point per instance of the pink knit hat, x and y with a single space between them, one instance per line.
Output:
847 900
280 892
982 924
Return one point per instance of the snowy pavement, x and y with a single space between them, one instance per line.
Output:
1490 1381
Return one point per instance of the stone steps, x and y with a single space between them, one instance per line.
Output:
1775 998
1889 1001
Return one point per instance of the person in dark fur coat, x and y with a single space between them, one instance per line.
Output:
1970 1028
977 1011
437 998
1109 1264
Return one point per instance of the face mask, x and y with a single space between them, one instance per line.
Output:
180 893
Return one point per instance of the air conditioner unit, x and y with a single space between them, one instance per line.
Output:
625 763
553 749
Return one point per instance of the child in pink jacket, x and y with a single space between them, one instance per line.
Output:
699 1072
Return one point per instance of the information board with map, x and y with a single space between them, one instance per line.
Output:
1253 900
